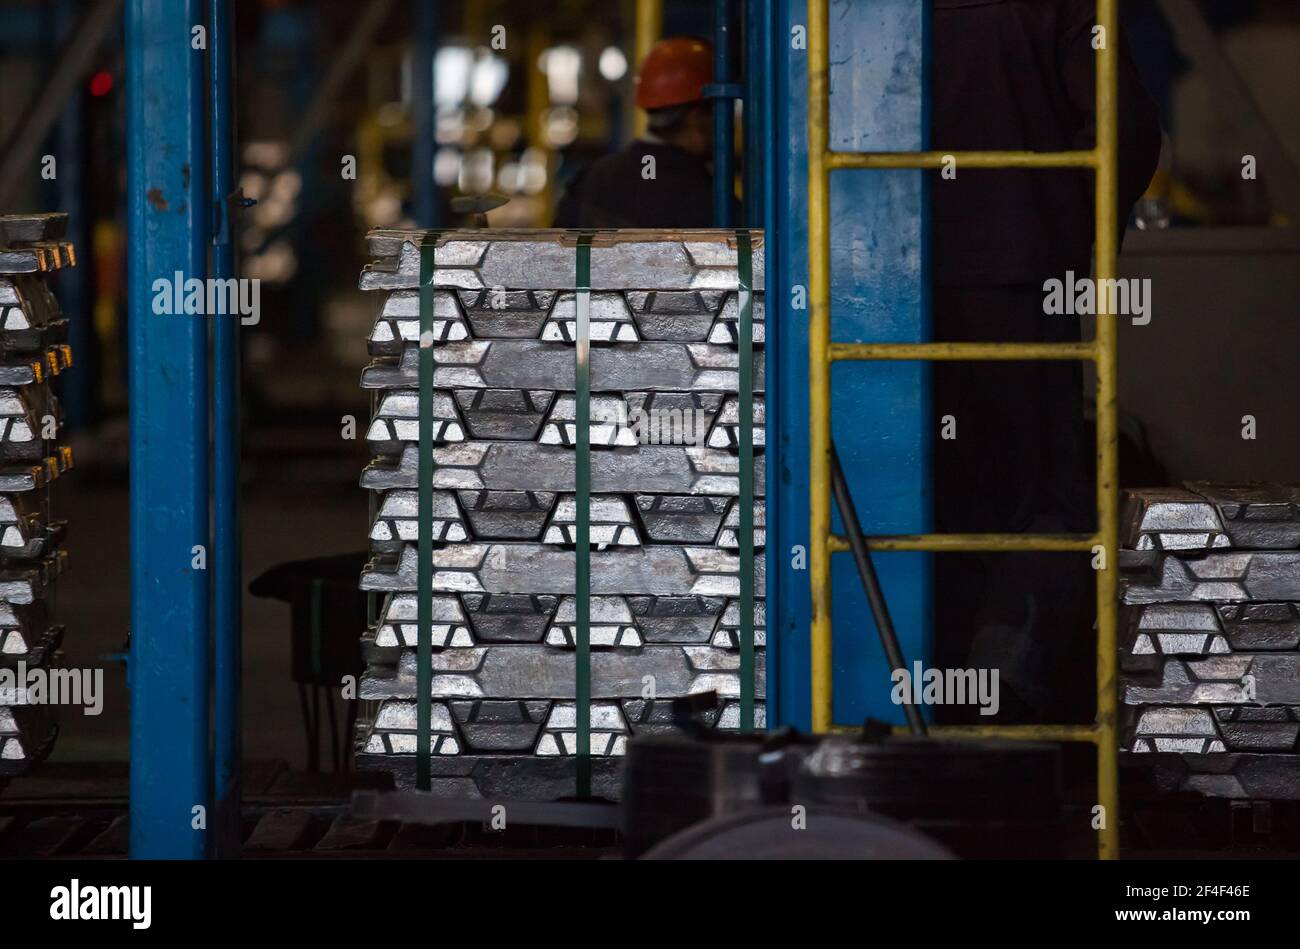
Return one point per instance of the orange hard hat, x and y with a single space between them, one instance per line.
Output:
675 72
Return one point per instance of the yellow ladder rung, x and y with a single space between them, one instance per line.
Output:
971 543
1085 734
935 352
960 160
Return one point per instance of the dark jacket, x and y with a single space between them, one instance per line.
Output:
1020 74
614 192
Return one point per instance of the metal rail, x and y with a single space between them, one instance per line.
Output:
822 352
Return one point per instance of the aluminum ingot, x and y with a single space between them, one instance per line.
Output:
1259 678
398 322
537 259
528 466
396 421
537 672
1217 577
538 568
37 257
1240 776
728 632
513 414
681 519
395 730
1205 629
610 522
397 523
608 732
507 515
726 431
499 726
729 537
1203 515
1202 730
611 623
32 228
27 583
538 364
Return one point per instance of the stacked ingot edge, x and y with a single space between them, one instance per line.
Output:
1210 637
33 349
665 572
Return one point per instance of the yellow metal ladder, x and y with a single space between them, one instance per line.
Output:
822 351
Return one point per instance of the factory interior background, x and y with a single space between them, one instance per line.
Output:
320 84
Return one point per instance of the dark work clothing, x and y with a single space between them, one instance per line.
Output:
1020 463
614 192
1020 75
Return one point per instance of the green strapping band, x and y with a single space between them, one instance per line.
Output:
582 539
745 338
424 576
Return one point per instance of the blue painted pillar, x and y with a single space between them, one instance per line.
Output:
227 586
881 418
167 234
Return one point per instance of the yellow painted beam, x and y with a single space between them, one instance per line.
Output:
960 160
819 370
1084 734
841 352
971 543
1107 249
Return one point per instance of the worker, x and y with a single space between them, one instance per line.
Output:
1019 75
662 179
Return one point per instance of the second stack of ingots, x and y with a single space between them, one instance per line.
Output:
665 568
1210 645
33 349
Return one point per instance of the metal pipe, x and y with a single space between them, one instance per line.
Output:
819 363
227 646
70 68
168 235
1107 250
649 27
724 118
871 585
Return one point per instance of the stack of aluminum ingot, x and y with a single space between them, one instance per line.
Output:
1210 637
665 567
33 347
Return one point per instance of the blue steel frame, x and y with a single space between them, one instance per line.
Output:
880 291
168 366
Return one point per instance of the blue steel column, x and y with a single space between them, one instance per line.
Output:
423 108
227 646
724 117
167 234
879 57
